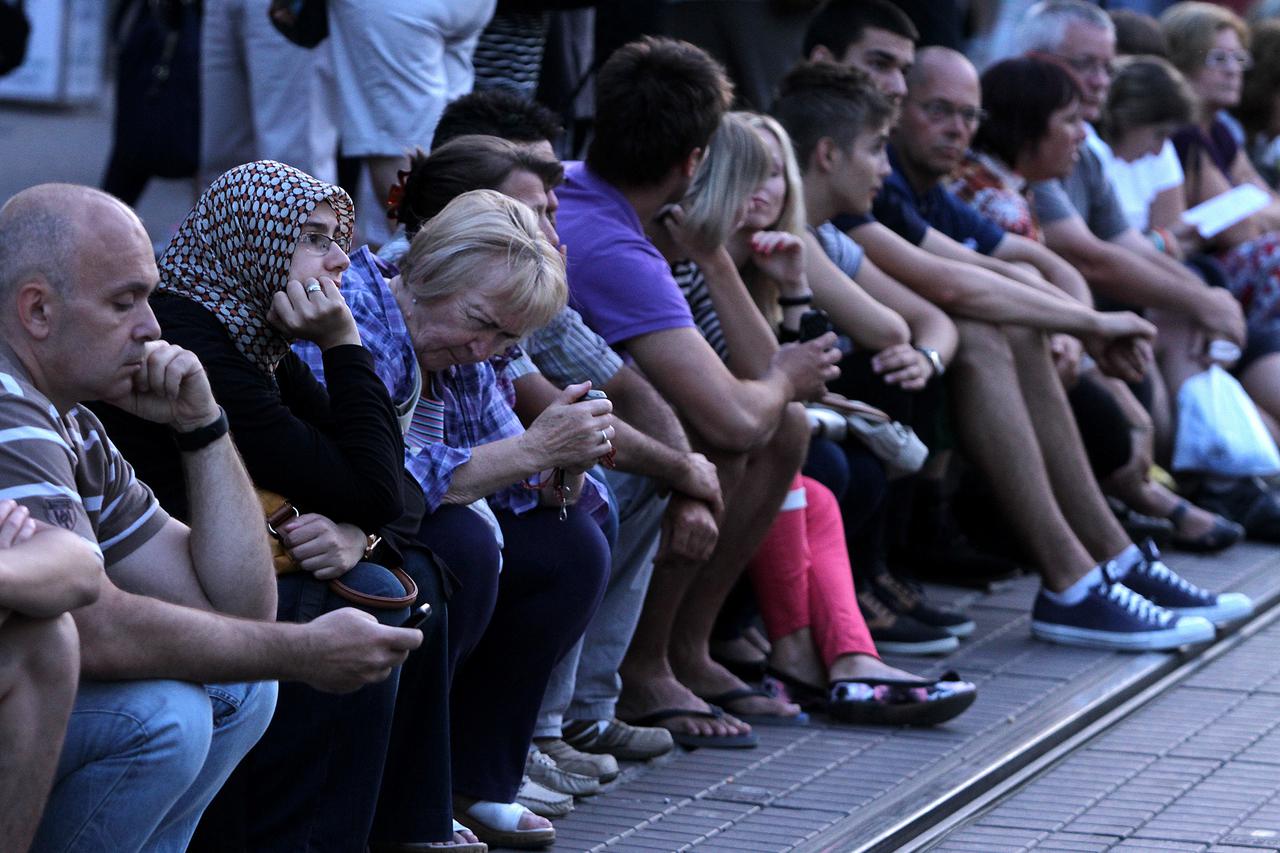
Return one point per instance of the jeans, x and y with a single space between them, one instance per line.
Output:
585 684
142 759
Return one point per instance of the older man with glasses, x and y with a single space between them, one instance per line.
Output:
1084 222
938 118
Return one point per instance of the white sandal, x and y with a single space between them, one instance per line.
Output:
498 824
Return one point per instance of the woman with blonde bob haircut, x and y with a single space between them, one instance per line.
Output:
478 276
1209 45
458 247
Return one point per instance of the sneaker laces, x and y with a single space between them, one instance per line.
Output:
537 756
1138 605
1159 571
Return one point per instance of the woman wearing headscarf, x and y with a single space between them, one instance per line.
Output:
256 265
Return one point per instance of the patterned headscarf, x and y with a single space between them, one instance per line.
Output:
232 252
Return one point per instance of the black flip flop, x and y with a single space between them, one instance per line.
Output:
722 700
746 740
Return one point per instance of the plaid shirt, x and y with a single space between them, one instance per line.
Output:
476 404
567 351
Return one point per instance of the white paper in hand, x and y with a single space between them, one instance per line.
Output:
1219 213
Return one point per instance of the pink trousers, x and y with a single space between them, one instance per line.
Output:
802 577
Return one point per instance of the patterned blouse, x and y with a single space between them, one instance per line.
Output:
998 193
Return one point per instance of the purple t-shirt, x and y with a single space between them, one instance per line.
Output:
618 280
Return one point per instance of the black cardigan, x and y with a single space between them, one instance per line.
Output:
338 453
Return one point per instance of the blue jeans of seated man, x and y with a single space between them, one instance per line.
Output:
312 782
142 759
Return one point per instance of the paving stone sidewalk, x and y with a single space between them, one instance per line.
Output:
1197 769
837 787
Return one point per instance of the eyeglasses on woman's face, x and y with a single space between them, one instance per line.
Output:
315 243
1222 59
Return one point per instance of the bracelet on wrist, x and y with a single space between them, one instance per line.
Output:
794 301
935 360
202 437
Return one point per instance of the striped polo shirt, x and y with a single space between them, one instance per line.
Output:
66 471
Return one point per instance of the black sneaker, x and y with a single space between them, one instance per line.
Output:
907 599
901 634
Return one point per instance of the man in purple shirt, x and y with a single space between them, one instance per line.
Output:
658 102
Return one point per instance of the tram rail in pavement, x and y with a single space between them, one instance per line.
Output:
832 787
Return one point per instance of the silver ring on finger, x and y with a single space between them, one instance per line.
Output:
314 287
604 436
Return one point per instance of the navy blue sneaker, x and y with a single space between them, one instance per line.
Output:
1158 583
1112 616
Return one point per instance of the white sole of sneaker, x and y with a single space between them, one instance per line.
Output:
1230 607
573 784
940 646
1186 631
964 629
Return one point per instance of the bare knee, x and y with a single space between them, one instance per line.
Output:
1025 341
45 653
983 347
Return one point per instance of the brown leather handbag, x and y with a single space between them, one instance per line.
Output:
279 510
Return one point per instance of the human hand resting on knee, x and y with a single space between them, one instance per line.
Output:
689 531
319 545
903 365
1066 351
1121 345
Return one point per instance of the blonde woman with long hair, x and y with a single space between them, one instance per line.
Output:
823 652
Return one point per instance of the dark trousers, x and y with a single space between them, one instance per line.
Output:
416 803
312 782
507 631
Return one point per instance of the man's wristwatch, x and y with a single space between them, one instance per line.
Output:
202 437
936 360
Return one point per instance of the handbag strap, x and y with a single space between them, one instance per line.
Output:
286 511
379 602
278 516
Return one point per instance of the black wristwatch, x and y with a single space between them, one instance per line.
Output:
202 437
936 360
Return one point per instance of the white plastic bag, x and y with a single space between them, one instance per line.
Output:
1219 430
